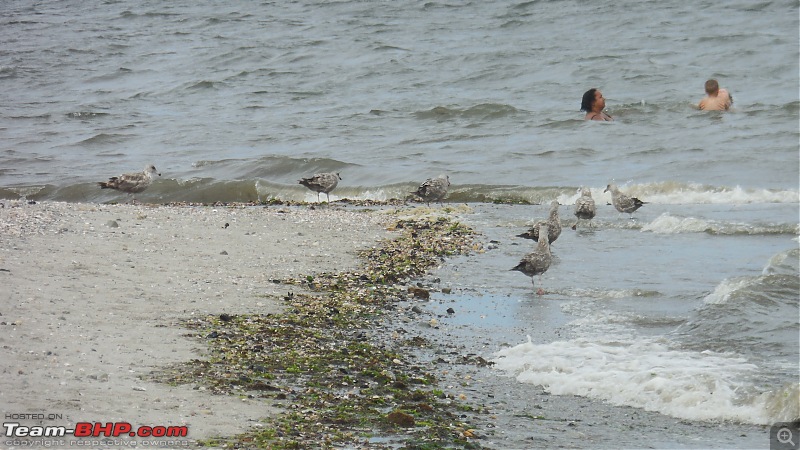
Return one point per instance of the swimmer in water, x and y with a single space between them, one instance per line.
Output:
594 103
716 99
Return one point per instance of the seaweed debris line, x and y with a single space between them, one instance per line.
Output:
337 378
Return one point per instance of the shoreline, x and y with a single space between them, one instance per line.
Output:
323 242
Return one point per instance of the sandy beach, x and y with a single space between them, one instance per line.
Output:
92 294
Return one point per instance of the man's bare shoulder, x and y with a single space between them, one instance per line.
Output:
718 103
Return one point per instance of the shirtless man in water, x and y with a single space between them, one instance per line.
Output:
594 104
716 99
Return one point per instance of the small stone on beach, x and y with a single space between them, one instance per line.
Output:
401 419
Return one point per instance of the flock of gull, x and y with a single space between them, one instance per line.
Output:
538 261
434 190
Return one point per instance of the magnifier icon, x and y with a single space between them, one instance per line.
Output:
785 436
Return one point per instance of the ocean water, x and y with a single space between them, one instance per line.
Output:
236 101
688 310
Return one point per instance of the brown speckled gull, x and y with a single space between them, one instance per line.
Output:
321 182
538 261
433 189
622 202
131 183
553 223
585 208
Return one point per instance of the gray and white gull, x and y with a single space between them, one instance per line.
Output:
585 208
538 261
131 183
553 223
622 202
433 189
321 182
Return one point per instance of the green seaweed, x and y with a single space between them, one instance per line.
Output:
317 360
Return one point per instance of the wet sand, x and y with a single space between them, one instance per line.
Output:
92 296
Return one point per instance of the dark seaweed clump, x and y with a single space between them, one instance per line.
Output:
324 360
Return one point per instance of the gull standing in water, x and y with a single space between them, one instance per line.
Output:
538 261
553 225
321 182
433 189
584 207
622 202
131 183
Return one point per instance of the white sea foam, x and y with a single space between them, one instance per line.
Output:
608 293
678 193
782 403
673 193
666 223
378 195
722 293
787 262
641 373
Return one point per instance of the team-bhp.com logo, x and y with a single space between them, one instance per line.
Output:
96 429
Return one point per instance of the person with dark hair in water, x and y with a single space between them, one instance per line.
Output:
594 104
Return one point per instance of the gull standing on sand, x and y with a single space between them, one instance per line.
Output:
553 223
584 207
622 202
321 182
433 189
538 261
131 183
